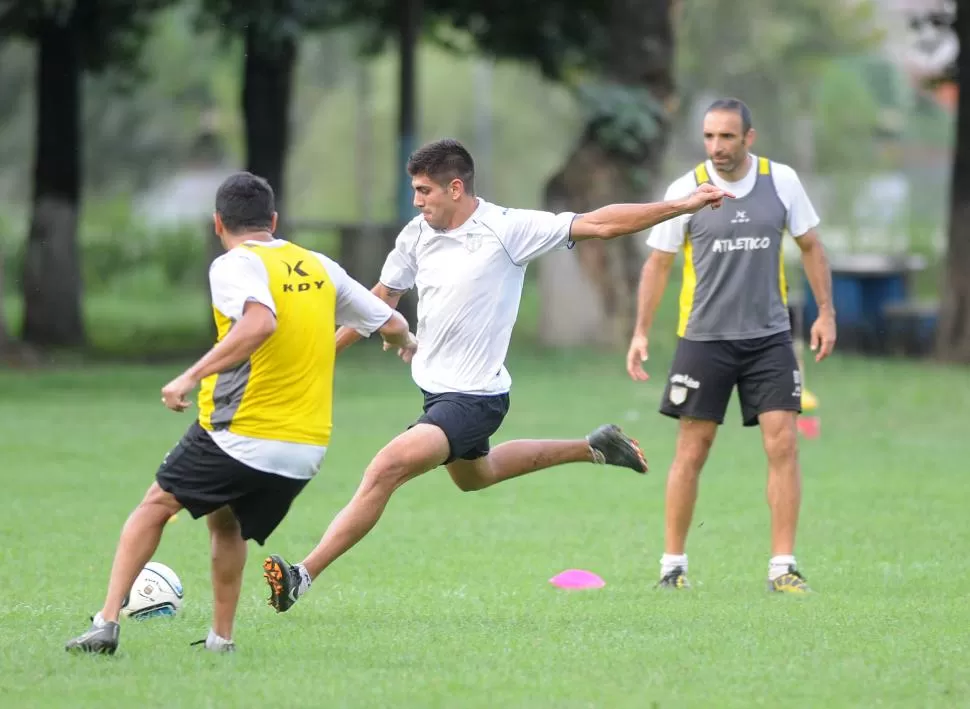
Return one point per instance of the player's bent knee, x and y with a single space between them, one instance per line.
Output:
384 472
390 471
163 502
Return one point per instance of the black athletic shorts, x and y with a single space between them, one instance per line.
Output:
203 478
704 374
468 421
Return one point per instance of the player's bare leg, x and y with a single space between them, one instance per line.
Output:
228 562
784 492
694 441
606 445
139 539
412 453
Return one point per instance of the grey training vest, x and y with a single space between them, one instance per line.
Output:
734 283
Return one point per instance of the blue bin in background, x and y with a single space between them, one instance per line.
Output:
863 285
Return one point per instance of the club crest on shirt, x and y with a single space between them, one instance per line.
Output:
473 242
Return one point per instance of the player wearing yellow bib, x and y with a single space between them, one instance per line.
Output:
265 402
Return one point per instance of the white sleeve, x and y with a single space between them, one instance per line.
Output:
357 307
237 277
669 235
801 213
530 233
401 265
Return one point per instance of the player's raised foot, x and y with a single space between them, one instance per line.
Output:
676 578
611 446
286 584
789 582
101 638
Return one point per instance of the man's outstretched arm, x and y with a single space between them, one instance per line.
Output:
347 336
615 220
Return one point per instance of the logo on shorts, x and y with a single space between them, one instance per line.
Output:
797 377
680 384
473 242
685 380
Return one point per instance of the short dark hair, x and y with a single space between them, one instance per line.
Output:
245 202
443 161
737 106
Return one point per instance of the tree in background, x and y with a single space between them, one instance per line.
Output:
588 293
271 32
770 48
953 335
774 57
71 36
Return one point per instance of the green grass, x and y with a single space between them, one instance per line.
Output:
447 603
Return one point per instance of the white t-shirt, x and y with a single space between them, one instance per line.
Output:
469 282
669 235
238 276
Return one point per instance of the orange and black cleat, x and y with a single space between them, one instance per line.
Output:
285 584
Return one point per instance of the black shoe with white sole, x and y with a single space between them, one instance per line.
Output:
101 638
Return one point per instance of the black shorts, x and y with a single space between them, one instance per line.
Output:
203 479
468 421
703 375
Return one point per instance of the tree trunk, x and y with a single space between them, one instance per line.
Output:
588 294
267 91
6 341
51 272
268 68
953 336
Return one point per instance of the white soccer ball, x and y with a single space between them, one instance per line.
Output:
156 592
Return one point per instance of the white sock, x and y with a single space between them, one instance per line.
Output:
305 580
98 621
216 642
669 562
778 565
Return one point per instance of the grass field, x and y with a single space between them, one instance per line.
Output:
447 603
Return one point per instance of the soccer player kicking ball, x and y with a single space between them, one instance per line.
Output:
265 403
468 258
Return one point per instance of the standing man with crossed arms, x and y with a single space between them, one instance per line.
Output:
735 329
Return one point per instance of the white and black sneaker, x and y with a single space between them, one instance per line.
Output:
101 638
215 643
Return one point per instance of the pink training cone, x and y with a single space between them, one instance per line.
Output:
577 580
810 426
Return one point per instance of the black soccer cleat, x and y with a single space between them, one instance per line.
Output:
284 583
611 446
99 639
677 578
789 582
